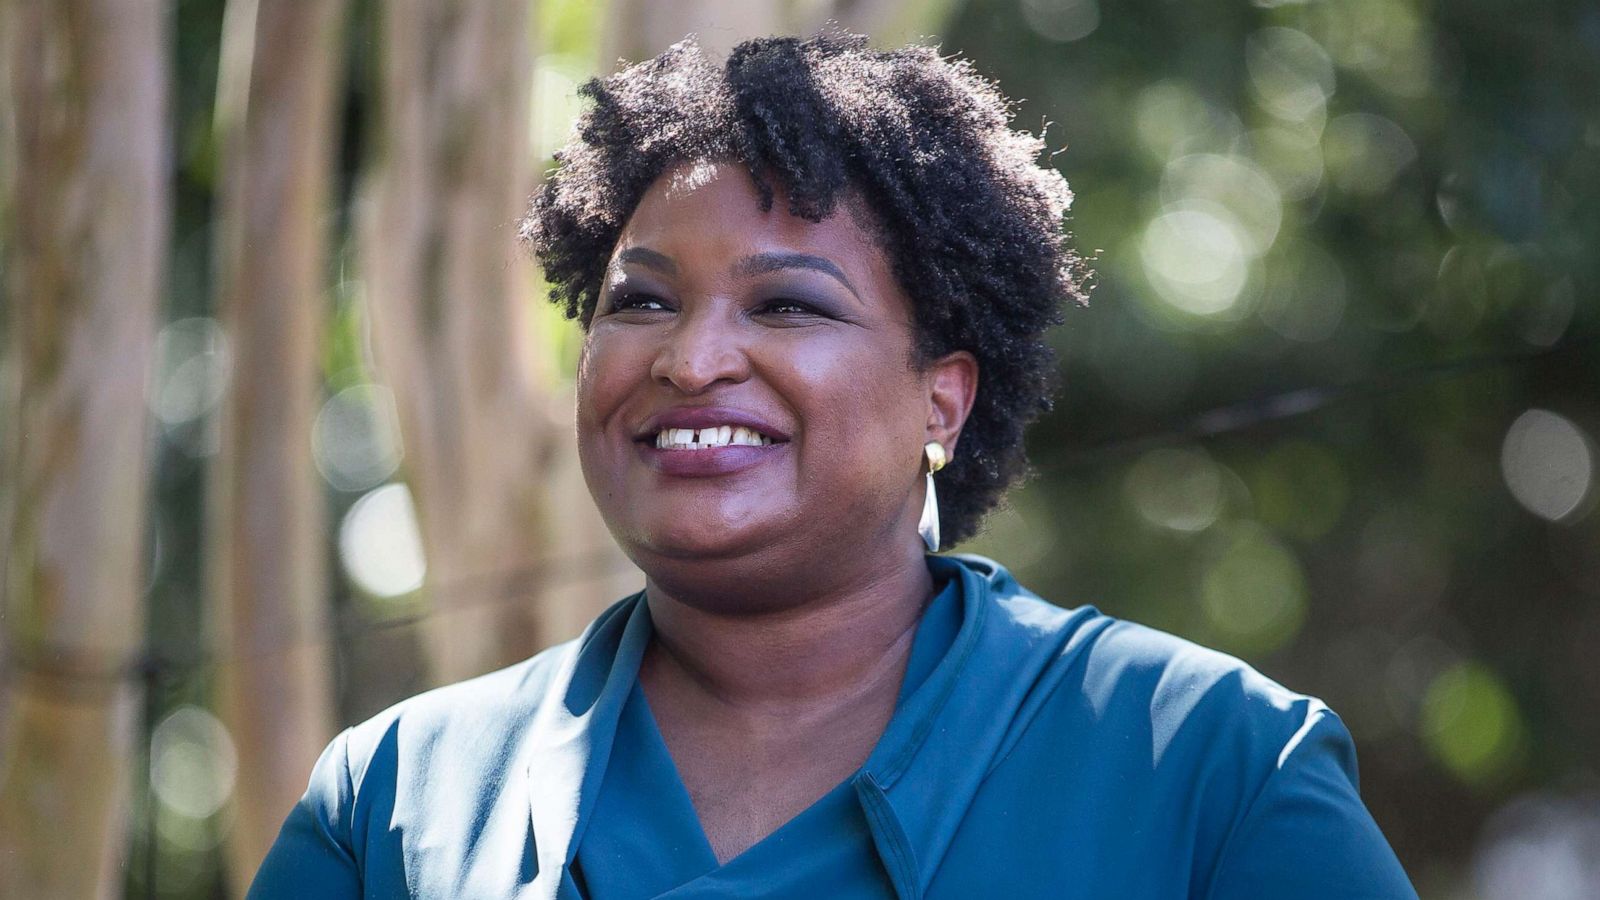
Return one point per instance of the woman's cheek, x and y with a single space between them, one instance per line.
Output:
590 355
603 376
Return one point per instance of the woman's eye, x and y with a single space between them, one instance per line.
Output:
789 308
638 303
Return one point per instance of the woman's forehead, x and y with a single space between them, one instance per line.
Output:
687 176
702 205
705 222
694 188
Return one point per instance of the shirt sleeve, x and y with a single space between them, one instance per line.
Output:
1307 833
313 857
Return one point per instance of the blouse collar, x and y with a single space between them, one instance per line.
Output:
915 784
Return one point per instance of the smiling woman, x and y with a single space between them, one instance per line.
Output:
806 279
719 311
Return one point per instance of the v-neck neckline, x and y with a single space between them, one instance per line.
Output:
675 800
935 631
664 843
643 718
646 840
570 746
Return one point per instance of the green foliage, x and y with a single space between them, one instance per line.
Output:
1344 249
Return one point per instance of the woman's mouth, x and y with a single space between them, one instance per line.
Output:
710 438
698 443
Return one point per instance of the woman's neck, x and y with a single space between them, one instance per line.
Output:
848 640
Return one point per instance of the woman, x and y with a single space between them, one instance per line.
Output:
809 281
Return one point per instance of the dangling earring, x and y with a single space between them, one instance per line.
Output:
928 527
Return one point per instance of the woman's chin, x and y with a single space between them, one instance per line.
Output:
701 521
699 541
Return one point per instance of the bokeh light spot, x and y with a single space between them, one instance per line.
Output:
1170 116
1232 183
1548 464
1541 846
1365 153
1402 562
1460 298
380 544
1253 592
189 380
1471 724
1292 157
1386 41
1545 321
1196 258
1062 20
1300 489
356 438
1411 670
191 370
1180 489
1304 299
193 764
1290 74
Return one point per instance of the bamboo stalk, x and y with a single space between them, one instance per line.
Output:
280 78
85 234
448 295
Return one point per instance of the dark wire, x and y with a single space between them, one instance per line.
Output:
1246 415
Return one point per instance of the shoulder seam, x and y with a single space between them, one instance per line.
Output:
1318 714
347 803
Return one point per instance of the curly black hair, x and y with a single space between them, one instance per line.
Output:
962 207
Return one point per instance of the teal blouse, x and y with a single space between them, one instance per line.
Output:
1034 752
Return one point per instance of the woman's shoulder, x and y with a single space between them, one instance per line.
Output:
1174 681
1141 733
441 764
1160 766
481 720
1135 679
464 719
495 704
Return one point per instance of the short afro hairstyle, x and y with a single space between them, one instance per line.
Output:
963 209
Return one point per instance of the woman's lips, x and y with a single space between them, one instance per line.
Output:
705 441
706 462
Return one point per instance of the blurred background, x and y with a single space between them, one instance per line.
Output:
285 433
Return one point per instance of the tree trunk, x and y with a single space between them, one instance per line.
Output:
448 292
86 224
280 74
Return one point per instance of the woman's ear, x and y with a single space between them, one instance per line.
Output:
952 386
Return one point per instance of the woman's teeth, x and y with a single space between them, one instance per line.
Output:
707 438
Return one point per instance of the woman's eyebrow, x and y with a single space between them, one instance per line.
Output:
648 258
762 263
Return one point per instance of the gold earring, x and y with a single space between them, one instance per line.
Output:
928 525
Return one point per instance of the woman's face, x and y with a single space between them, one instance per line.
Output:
748 406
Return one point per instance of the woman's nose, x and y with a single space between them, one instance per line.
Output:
699 351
